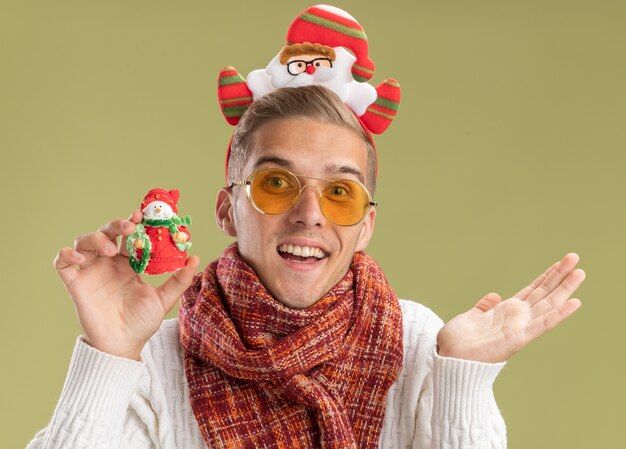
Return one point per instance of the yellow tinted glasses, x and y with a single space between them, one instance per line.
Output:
274 191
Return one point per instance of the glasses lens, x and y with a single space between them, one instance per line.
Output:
322 62
345 202
273 190
296 67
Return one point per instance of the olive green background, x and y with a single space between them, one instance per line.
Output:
508 152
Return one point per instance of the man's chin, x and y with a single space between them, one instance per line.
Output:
301 290
298 300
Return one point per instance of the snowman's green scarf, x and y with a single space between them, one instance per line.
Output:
139 263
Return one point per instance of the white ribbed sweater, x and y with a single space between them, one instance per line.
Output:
111 402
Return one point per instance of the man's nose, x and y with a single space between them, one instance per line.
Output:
310 69
307 210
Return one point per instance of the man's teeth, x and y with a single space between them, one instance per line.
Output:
303 251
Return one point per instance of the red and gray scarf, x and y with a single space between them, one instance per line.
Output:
262 375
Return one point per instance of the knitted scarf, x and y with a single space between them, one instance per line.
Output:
262 375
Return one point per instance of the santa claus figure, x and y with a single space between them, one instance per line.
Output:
160 242
325 46
305 64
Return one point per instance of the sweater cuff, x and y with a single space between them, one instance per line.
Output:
463 390
99 385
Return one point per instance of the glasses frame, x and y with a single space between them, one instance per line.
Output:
247 183
307 64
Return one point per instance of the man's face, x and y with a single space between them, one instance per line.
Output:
307 148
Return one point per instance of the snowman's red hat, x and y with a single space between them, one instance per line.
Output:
331 26
169 197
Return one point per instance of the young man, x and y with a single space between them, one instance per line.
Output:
292 338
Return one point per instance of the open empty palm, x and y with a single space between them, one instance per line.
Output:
493 330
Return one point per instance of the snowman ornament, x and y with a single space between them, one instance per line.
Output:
160 242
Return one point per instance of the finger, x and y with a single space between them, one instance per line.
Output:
488 301
135 218
523 293
560 272
93 245
560 294
120 226
66 263
176 285
550 320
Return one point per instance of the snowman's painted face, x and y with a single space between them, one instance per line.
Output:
158 210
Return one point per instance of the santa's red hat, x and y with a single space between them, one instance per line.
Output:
168 197
328 25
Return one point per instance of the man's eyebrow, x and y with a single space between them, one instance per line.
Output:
333 169
269 159
330 169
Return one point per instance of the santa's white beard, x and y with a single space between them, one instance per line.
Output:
320 76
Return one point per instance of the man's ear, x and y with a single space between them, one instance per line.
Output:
367 229
224 212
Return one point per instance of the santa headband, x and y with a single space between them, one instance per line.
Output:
326 46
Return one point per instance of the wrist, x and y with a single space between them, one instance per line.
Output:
126 353
470 354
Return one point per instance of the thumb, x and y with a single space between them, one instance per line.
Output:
177 283
488 301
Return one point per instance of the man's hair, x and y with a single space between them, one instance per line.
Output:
311 102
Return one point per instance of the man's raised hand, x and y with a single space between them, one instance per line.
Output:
493 330
117 310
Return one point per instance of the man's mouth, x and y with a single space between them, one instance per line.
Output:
301 254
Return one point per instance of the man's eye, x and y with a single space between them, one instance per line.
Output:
338 191
299 64
276 183
317 64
